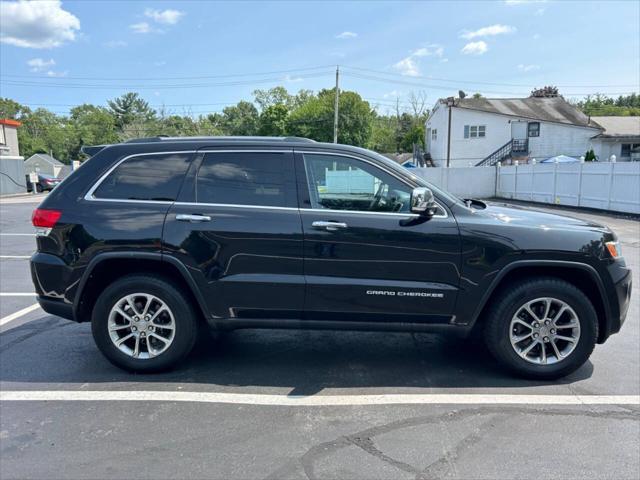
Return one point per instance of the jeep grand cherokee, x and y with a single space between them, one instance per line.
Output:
153 239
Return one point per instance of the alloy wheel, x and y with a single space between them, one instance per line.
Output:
544 331
141 325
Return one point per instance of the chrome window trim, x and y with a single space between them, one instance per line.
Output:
90 197
90 193
375 165
234 205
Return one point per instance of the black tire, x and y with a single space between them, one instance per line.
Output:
498 320
39 188
186 323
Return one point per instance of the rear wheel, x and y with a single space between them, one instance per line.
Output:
144 324
543 328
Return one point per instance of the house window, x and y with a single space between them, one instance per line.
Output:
626 149
475 131
434 134
534 129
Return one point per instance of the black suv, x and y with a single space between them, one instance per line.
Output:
153 239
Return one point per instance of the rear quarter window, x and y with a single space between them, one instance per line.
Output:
146 177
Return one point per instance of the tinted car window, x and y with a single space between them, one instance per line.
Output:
247 178
344 183
148 177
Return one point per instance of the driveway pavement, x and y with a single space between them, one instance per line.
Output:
289 404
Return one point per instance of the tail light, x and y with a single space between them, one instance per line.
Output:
43 218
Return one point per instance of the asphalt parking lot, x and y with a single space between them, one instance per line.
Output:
289 404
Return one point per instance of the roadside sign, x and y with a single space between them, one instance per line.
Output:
33 177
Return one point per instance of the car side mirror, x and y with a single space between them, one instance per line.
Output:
422 202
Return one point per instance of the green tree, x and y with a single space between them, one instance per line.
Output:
415 135
91 125
314 118
383 134
273 96
240 119
129 108
273 120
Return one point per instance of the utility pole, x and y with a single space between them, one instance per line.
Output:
450 103
335 107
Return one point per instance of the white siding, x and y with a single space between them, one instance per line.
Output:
554 139
438 120
558 139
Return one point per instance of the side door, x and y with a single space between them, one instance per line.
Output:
367 258
236 227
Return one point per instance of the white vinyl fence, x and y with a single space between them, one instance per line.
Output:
464 182
606 185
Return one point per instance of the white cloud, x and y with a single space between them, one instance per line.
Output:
536 36
142 27
115 44
166 17
160 63
346 35
489 31
33 24
528 68
430 50
475 48
290 79
444 60
51 73
39 65
392 94
540 12
409 67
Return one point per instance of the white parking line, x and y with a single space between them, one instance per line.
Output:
18 314
18 234
19 257
314 400
18 294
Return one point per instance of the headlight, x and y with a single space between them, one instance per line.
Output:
614 249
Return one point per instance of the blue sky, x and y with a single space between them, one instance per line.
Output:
198 56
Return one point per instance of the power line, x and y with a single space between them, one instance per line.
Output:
196 77
448 87
156 87
476 82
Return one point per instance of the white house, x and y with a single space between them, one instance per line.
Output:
468 131
11 163
621 137
43 163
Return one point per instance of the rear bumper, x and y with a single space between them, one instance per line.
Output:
51 276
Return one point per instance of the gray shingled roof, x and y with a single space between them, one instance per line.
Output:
46 158
619 127
554 109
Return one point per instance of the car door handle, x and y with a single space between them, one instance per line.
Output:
184 217
330 226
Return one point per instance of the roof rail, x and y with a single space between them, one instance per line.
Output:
165 138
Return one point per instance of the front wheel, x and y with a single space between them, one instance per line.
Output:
144 324
543 328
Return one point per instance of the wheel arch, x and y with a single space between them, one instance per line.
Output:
582 275
108 267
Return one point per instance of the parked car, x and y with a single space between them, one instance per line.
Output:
155 238
45 183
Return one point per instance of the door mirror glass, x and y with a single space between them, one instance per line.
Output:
423 202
